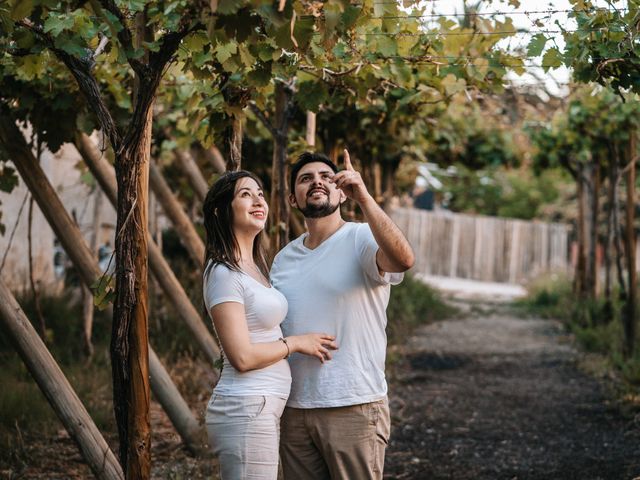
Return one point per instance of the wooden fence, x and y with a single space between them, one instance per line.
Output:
483 248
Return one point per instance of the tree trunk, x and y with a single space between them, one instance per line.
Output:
297 227
388 182
580 276
190 168
279 202
181 222
130 328
129 334
593 233
56 388
70 238
607 312
235 144
630 306
617 232
103 172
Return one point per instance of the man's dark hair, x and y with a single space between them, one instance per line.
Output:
308 157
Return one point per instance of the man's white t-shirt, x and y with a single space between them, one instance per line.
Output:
264 308
336 288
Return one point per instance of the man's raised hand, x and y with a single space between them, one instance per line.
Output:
350 181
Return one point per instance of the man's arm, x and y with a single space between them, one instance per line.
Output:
395 254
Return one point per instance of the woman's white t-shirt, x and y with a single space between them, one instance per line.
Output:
265 309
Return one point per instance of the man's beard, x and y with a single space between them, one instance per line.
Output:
319 210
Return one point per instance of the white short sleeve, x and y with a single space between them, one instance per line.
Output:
222 285
367 249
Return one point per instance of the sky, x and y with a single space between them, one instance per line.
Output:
555 80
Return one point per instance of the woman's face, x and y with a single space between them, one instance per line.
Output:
249 207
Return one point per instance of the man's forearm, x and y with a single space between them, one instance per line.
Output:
396 254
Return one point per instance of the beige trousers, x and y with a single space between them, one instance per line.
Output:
335 443
244 433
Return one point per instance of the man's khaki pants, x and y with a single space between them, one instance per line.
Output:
335 443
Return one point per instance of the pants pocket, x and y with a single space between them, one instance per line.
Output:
246 407
381 436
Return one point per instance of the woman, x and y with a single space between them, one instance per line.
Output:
243 415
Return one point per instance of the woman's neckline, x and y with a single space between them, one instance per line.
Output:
256 280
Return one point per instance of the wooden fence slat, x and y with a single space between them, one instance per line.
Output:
483 248
455 245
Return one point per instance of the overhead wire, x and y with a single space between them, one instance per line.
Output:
500 32
494 14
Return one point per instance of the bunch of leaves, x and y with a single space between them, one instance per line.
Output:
463 136
594 120
604 48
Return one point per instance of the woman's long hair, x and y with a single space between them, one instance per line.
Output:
221 244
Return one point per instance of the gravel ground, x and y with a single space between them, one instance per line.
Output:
494 396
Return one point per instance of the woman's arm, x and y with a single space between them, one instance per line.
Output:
231 325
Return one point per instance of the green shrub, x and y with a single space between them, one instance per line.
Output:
63 321
629 369
597 326
413 303
547 296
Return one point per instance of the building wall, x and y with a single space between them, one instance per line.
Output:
65 170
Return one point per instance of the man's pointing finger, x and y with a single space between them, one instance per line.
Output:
347 160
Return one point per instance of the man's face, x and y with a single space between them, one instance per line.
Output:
313 194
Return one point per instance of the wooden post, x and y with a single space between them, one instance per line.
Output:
69 235
103 172
189 167
87 295
173 209
176 407
56 388
213 155
311 129
377 182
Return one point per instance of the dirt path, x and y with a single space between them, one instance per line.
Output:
497 397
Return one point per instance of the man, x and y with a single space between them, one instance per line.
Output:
337 280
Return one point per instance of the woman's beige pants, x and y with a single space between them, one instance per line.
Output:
244 433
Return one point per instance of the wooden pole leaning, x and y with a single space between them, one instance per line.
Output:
173 209
56 388
75 246
105 176
190 168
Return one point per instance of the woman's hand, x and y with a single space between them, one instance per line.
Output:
314 344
